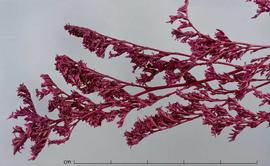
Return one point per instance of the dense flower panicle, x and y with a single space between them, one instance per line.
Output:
36 129
151 64
219 106
151 124
110 89
87 80
98 43
73 107
263 7
203 45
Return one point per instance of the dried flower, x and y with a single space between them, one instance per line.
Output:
263 7
224 111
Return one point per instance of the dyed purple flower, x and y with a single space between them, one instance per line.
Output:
225 110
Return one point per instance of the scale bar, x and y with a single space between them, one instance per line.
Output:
167 163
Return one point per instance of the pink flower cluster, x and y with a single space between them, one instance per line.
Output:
263 7
219 106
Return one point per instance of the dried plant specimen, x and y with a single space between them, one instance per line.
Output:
218 107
